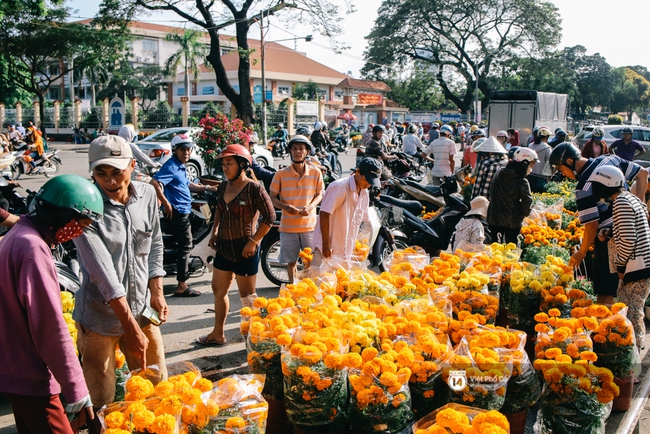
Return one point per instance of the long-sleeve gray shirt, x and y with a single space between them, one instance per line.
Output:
118 255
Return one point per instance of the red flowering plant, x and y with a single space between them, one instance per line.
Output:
218 132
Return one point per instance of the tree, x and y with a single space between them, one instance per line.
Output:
35 36
143 82
214 16
192 52
631 91
417 91
308 91
462 38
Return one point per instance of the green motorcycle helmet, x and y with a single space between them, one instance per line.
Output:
72 192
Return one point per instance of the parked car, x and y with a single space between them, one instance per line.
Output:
613 132
158 147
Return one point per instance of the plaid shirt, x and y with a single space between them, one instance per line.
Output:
485 171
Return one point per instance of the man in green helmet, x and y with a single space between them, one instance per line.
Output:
121 299
38 361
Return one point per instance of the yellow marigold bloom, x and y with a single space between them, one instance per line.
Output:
454 420
541 317
589 356
554 312
235 423
139 388
616 307
114 419
164 424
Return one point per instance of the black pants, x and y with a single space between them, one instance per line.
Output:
501 234
182 233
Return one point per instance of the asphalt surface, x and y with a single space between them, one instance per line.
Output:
191 318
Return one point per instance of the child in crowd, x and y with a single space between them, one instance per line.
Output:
471 228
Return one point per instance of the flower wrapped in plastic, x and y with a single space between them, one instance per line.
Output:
239 404
263 350
304 293
315 367
441 269
359 282
431 352
426 311
457 418
477 376
615 343
470 294
381 400
154 416
575 397
564 340
525 296
524 387
264 310
416 256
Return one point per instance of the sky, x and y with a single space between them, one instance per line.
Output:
613 29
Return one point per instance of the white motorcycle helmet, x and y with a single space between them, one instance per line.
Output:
609 176
318 126
525 155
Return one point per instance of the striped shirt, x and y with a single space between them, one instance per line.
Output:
292 189
632 236
591 208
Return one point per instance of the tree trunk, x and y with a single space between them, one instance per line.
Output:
93 97
41 113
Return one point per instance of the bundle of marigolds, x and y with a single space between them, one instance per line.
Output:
381 400
456 418
157 410
67 301
315 364
486 373
262 325
613 339
524 388
576 390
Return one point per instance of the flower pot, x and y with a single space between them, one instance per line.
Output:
647 312
502 317
624 399
276 422
517 421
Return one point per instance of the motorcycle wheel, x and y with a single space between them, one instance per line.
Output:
51 168
337 171
382 249
275 271
16 171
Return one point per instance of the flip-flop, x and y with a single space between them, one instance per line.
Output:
203 340
189 292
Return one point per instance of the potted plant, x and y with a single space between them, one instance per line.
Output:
216 133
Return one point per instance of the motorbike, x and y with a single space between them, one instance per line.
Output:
278 147
201 255
341 144
47 164
334 172
6 164
382 240
431 196
434 235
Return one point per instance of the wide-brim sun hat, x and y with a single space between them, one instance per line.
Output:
479 206
492 146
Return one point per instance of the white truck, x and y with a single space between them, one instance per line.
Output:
524 110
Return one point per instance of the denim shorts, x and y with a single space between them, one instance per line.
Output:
292 243
246 267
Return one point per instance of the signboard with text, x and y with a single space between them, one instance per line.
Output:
369 99
306 108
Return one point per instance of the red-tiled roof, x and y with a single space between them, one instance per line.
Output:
279 58
364 84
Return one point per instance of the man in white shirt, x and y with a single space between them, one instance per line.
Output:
443 150
344 206
412 143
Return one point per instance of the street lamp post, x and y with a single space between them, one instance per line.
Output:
307 38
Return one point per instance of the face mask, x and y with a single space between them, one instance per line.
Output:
71 230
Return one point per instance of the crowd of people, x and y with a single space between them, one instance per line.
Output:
115 225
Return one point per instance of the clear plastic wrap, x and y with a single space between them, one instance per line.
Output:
477 376
615 344
315 381
428 390
458 418
570 413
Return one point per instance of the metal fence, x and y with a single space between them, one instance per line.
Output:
10 116
158 118
28 115
92 118
66 119
49 120
274 115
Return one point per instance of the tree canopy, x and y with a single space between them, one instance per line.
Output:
462 38
216 16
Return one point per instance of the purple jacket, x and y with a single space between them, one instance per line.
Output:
37 357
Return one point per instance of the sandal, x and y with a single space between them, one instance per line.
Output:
203 340
189 292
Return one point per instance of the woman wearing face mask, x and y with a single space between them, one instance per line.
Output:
236 236
510 197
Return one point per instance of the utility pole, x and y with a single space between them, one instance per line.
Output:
476 99
263 80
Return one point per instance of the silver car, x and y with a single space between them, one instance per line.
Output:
613 132
159 148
